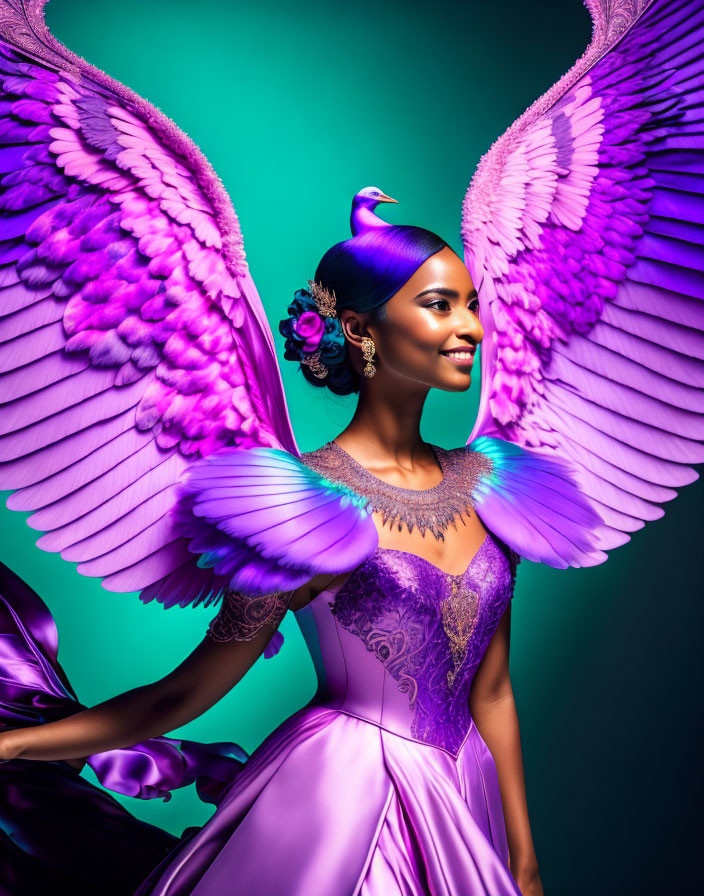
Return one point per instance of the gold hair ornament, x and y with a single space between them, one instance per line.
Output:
316 366
325 303
323 299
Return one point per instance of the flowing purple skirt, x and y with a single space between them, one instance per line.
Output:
332 804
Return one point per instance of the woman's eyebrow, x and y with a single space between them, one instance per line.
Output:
444 291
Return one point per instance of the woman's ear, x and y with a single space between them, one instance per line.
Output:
354 326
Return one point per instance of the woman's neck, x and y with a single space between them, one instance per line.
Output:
385 429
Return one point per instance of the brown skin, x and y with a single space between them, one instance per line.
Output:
384 436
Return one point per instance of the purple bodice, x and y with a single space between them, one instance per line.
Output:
400 640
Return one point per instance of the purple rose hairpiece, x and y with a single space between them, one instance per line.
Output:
313 333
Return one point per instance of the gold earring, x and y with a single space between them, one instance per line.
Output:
368 349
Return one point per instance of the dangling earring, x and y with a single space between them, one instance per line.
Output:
368 349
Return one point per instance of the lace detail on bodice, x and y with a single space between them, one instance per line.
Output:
429 629
427 509
459 616
241 618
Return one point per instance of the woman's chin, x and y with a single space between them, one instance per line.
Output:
457 374
456 384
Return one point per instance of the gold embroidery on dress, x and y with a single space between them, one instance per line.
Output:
459 616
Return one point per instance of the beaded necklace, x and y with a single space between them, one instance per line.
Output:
430 509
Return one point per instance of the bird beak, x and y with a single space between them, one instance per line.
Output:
385 198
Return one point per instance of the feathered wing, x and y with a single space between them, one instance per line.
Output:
266 522
583 230
133 342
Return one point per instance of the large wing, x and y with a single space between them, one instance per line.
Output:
583 230
132 338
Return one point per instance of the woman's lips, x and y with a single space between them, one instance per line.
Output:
460 357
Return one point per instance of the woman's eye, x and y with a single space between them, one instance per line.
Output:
444 305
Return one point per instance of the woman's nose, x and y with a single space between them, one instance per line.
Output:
470 326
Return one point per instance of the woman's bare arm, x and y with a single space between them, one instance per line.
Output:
494 712
202 679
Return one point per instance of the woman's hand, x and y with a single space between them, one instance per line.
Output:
529 882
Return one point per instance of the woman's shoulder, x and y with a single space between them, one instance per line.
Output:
268 524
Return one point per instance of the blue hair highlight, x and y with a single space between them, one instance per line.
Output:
368 269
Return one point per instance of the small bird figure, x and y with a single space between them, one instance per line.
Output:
363 205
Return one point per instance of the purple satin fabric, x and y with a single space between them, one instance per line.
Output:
366 791
32 692
58 832
333 804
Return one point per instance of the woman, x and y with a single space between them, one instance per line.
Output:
367 827
398 557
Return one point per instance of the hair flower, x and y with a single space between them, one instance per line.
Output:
309 327
313 333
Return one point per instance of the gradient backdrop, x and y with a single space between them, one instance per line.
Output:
298 105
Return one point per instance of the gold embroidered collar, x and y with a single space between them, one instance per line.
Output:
430 509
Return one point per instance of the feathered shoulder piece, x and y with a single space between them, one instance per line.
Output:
265 522
532 501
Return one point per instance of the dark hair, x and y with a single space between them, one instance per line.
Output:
364 272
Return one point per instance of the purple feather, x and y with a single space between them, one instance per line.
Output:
268 522
535 505
583 235
132 338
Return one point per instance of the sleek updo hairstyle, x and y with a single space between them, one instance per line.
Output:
363 272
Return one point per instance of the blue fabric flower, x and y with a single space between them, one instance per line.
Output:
331 346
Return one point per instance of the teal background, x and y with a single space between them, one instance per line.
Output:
297 106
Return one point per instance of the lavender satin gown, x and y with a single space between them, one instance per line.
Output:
382 784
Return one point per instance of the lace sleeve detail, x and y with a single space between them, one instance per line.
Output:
241 618
514 559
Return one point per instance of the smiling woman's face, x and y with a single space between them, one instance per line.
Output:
430 330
